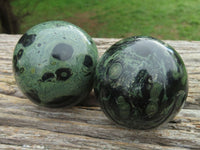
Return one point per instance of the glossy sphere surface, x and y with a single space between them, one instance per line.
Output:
54 64
141 82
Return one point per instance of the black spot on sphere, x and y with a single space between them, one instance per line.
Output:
32 94
39 44
47 76
62 52
88 61
15 60
63 73
19 54
15 68
21 70
27 40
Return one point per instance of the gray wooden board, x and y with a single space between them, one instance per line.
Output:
23 125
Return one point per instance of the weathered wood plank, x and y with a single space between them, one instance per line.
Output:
24 125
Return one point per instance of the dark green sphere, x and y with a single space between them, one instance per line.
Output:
141 82
54 64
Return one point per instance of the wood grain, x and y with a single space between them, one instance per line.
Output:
24 125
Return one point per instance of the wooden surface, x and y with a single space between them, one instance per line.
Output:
23 125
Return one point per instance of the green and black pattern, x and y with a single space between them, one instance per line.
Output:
141 82
54 64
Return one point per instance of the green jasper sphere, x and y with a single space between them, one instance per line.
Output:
54 64
141 82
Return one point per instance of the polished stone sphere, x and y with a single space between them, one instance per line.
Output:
54 64
141 82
